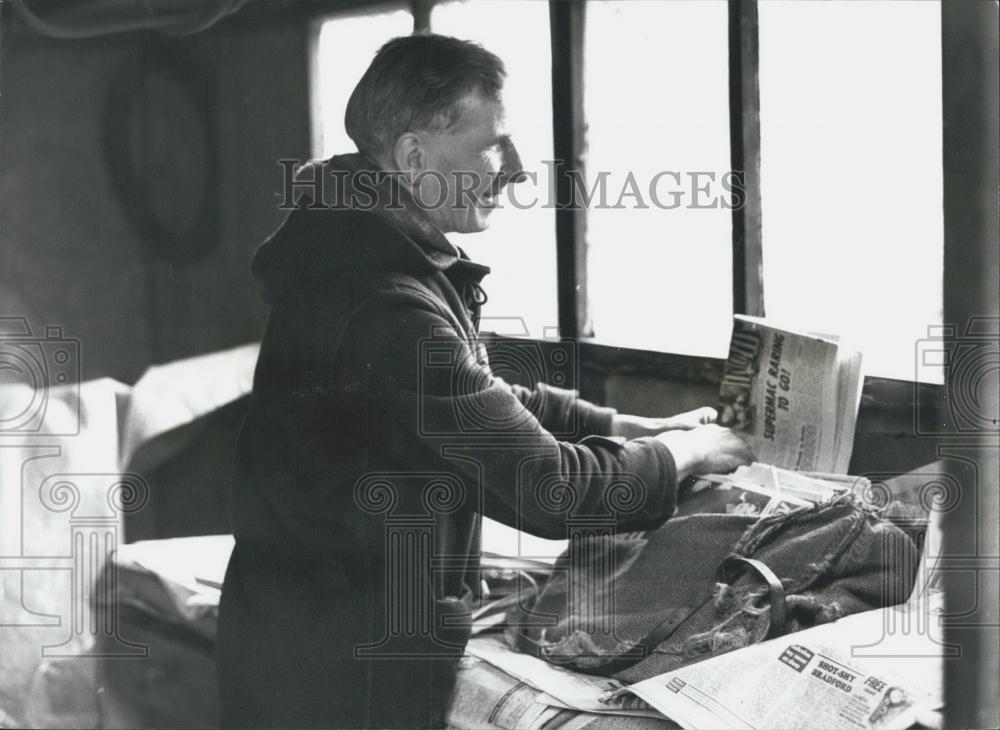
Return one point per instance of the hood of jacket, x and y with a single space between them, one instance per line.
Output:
363 220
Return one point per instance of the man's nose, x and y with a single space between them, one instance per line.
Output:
512 170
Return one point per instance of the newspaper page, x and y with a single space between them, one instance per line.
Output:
780 389
567 689
763 489
486 697
777 684
850 380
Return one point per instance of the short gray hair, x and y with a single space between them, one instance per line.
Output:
417 82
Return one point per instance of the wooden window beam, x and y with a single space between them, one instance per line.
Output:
568 133
744 144
421 10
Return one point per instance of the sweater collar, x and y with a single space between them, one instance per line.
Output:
395 204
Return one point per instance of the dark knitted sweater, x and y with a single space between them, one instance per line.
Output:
376 437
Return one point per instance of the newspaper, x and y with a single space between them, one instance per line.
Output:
486 697
562 688
763 489
777 684
877 669
794 395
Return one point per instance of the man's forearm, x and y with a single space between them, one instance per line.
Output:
564 413
631 427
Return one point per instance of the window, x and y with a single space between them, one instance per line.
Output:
519 245
850 165
851 173
344 47
656 100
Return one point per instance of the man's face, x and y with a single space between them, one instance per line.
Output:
475 160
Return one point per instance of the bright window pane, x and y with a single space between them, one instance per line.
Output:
850 98
344 48
519 245
656 101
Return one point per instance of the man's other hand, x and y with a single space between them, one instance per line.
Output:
633 427
709 449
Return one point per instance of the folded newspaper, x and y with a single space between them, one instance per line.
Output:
794 395
558 687
763 489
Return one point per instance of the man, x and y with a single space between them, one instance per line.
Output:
377 433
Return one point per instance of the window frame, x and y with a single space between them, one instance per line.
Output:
887 405
567 24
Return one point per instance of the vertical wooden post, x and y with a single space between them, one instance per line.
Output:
970 78
567 26
421 10
744 145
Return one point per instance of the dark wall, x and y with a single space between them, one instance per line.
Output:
70 255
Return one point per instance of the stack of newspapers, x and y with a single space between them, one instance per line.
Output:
499 687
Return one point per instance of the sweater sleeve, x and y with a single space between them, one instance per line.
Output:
420 371
564 413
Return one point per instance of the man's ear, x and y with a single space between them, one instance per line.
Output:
408 153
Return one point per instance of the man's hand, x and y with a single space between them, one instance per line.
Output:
633 427
708 449
692 419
